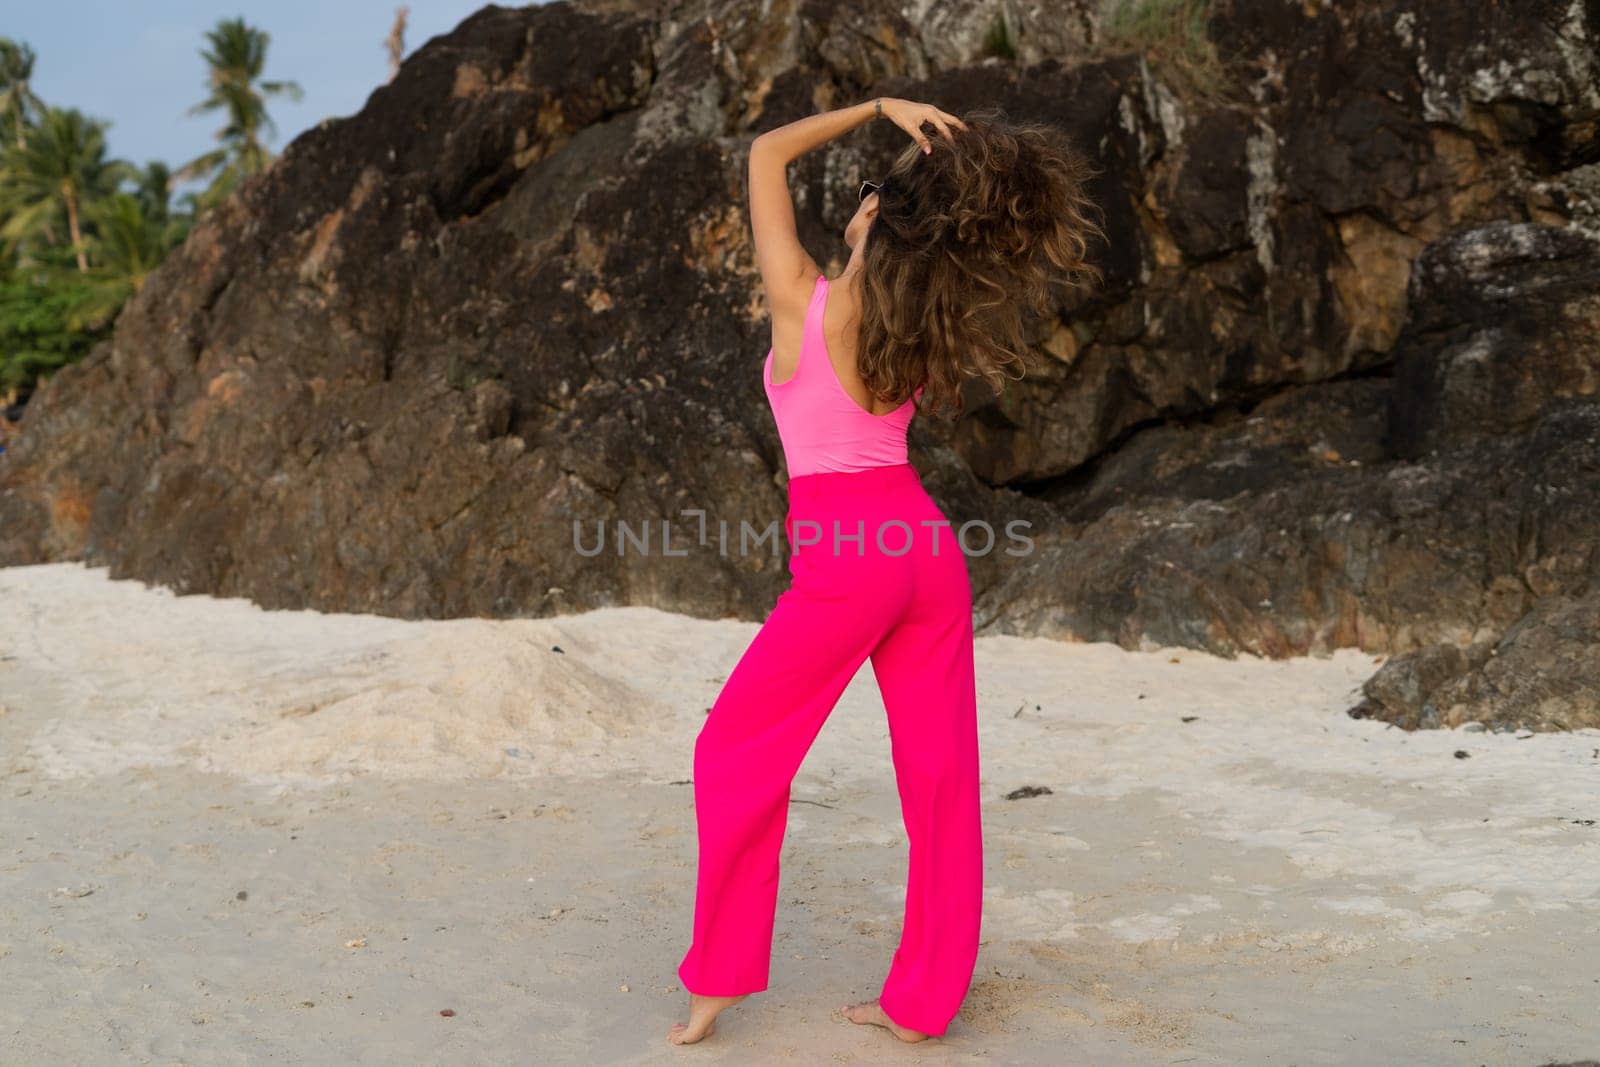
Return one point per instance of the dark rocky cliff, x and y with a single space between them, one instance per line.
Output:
1339 387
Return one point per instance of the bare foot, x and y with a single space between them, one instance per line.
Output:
868 1011
703 1012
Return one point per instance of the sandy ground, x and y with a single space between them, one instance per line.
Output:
231 836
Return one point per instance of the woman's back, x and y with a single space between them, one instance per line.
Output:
823 428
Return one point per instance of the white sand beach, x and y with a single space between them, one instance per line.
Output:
236 836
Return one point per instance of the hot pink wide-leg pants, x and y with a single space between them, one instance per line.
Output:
876 571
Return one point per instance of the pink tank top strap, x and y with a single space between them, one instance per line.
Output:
811 335
813 339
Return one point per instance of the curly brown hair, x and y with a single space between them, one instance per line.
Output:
964 240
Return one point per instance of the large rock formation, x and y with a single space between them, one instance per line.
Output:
1338 387
1426 510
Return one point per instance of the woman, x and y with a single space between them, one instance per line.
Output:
966 228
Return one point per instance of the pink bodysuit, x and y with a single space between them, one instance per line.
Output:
821 426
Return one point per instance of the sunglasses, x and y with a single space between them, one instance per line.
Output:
867 188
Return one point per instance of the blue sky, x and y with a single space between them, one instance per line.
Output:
138 64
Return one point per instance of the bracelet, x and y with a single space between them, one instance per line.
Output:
878 106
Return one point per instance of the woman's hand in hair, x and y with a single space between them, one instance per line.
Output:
910 117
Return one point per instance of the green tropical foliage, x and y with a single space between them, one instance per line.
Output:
60 165
80 232
130 244
42 325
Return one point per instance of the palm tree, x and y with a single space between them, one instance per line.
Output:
129 242
18 102
60 166
153 187
236 57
